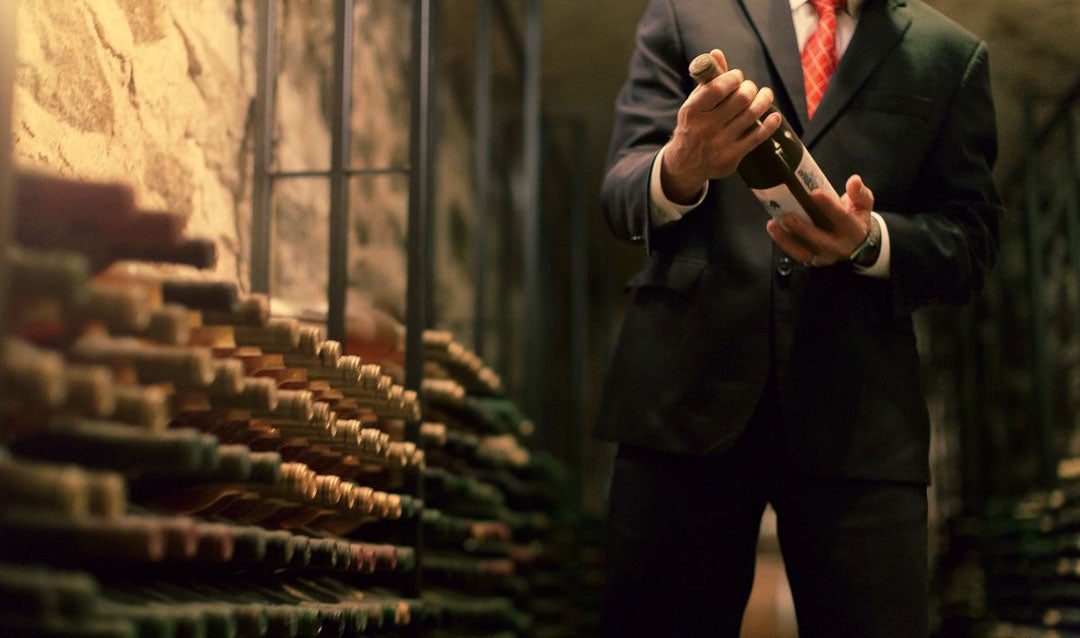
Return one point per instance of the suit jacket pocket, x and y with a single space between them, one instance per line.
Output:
679 274
912 104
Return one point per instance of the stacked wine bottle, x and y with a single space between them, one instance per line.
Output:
497 528
175 462
1025 577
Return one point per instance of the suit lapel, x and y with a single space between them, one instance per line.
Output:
771 20
880 28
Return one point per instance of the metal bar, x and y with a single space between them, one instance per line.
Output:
482 114
985 450
513 40
535 326
1053 206
420 131
1072 205
507 243
351 172
431 173
7 178
969 411
265 80
419 205
579 301
1040 378
341 147
1040 138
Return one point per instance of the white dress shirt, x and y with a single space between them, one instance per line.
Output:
662 210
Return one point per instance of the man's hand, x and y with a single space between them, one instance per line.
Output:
812 246
717 127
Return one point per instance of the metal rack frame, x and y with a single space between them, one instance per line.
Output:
341 169
1044 189
490 14
420 172
482 169
1037 318
537 352
1051 209
7 82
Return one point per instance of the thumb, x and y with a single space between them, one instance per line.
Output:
858 194
721 61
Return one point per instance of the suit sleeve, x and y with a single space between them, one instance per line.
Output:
945 254
646 111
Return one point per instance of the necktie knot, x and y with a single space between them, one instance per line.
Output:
830 7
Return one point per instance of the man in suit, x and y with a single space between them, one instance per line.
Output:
763 362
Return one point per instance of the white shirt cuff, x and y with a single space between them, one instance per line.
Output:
880 269
661 209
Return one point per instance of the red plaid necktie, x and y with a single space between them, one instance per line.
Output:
819 55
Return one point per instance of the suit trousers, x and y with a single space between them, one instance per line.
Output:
683 531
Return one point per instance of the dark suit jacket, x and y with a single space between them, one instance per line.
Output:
717 304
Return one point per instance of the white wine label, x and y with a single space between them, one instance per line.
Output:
778 202
811 175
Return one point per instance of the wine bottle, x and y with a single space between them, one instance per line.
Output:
122 309
66 490
183 367
451 531
375 336
64 276
155 620
108 445
277 336
472 614
448 360
218 296
251 310
37 592
90 391
197 252
47 537
780 171
100 220
32 377
144 406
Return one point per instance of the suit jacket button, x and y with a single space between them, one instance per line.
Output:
784 267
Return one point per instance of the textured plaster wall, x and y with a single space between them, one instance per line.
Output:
159 94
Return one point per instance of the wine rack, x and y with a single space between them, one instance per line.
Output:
175 461
1020 572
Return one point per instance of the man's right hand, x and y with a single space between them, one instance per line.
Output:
717 127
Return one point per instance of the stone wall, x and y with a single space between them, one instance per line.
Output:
159 94
153 93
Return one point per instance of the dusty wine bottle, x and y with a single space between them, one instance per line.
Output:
46 537
780 171
39 592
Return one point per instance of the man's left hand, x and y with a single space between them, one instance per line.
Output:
812 246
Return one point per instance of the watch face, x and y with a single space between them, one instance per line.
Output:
868 251
868 255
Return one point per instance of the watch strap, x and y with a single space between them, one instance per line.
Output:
867 253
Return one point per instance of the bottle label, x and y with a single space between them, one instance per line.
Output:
779 200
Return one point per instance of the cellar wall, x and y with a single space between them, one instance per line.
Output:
153 93
160 94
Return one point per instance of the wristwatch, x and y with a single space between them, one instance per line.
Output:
866 254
